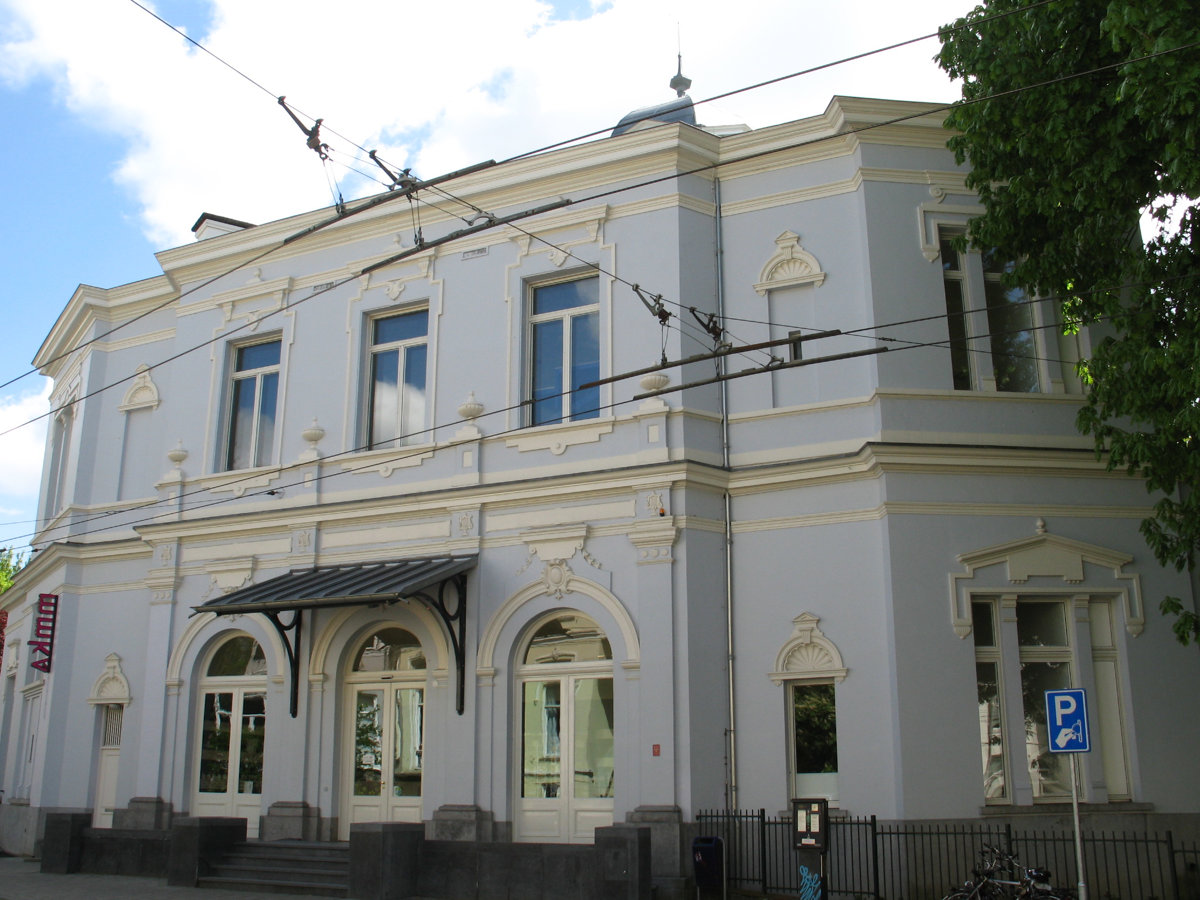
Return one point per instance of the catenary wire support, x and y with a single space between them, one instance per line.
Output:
313 134
709 323
654 303
403 181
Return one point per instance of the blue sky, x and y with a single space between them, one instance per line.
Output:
119 134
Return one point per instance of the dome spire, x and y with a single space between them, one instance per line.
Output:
680 83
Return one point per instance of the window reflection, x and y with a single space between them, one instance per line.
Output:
392 649
570 638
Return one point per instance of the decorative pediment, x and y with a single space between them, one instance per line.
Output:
142 393
790 266
1046 556
228 575
808 655
112 687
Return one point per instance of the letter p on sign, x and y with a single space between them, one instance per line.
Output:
1066 716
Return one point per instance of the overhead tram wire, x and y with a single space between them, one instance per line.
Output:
707 167
173 509
698 169
366 205
373 156
809 71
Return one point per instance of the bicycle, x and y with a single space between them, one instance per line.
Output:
1024 882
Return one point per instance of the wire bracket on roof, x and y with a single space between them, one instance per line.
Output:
654 304
709 323
313 134
404 181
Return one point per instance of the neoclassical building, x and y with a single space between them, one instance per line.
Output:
345 522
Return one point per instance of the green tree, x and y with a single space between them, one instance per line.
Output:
1078 117
10 564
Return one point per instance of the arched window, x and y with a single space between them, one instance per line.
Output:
810 666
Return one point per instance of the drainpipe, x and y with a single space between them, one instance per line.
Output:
732 785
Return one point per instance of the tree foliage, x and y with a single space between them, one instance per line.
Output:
1078 117
10 564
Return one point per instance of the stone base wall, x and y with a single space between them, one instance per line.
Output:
20 828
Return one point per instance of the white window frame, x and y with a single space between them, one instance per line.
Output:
808 657
567 316
262 451
977 340
409 424
1091 654
57 468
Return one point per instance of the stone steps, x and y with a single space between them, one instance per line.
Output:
283 867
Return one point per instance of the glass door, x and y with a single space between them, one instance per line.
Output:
232 733
384 738
567 771
566 774
386 754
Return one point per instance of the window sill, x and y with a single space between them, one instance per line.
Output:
384 462
558 437
1064 809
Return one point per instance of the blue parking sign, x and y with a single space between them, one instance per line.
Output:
1066 717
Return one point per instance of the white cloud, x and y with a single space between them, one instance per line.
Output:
460 82
21 450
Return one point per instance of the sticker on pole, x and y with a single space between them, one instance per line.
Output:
1066 720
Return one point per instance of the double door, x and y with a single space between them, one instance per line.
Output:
384 753
229 781
567 774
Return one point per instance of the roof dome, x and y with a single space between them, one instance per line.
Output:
678 110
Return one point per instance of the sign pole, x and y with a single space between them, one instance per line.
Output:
1081 886
1067 732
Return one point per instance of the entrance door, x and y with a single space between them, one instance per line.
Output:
107 765
385 726
567 775
232 734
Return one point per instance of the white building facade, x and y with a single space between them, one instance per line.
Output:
342 528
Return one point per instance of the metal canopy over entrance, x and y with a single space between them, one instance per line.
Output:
364 584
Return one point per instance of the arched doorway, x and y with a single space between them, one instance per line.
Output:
564 690
384 738
232 700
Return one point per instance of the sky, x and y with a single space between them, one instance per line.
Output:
120 132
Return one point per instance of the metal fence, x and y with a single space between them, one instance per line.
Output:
919 861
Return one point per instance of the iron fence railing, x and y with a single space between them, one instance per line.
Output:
917 861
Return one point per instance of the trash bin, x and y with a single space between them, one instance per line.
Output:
708 866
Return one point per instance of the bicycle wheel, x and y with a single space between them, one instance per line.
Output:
970 891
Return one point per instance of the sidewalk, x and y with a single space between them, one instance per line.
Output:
22 880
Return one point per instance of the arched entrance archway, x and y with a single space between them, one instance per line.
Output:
564 690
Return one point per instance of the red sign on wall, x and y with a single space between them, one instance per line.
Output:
43 631
3 628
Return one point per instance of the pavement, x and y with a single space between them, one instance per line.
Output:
22 879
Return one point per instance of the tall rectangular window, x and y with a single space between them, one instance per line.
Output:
399 353
987 324
1046 657
564 351
252 405
814 740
